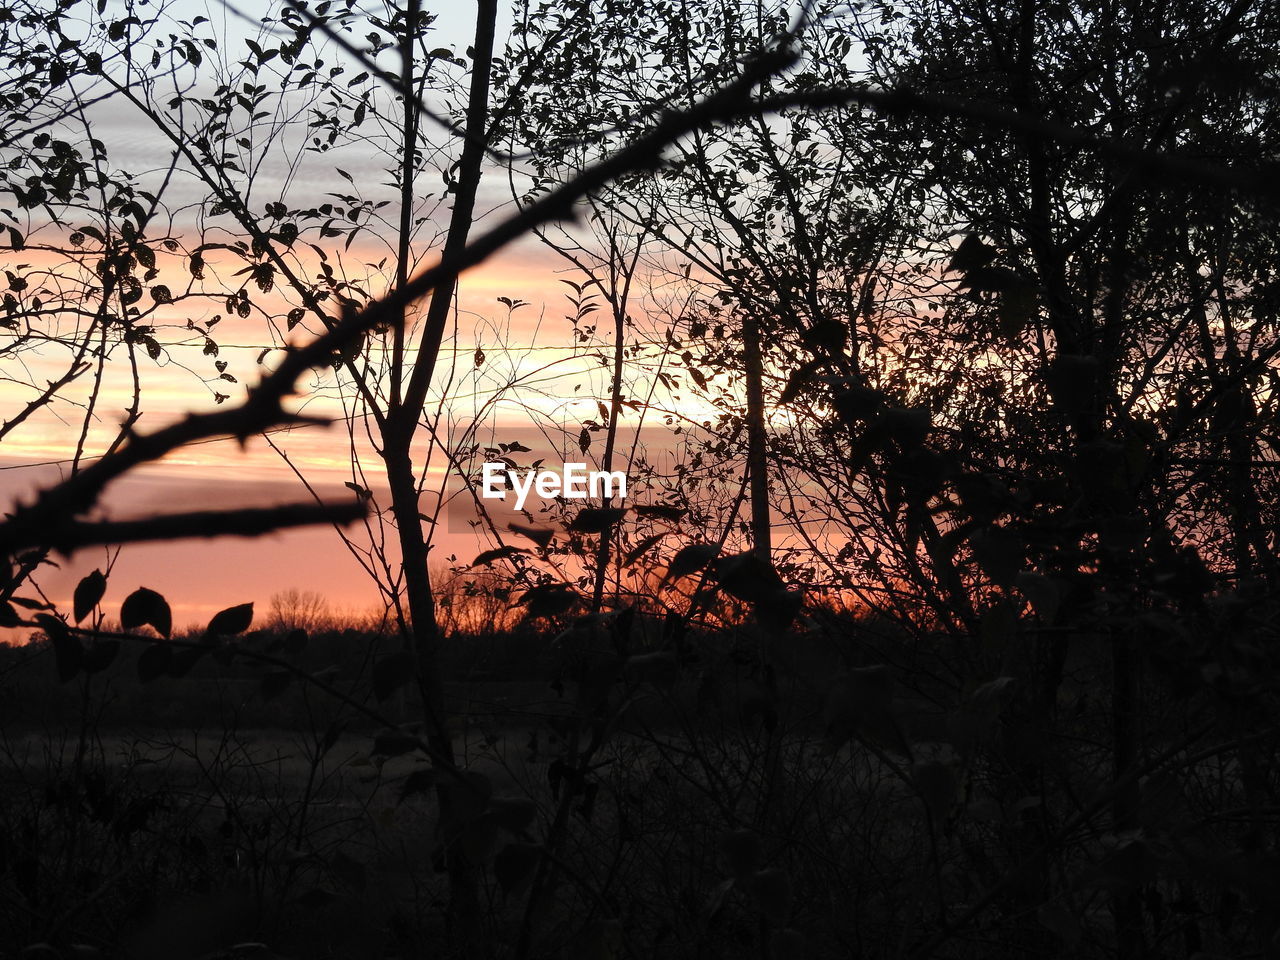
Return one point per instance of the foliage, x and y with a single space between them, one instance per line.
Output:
946 626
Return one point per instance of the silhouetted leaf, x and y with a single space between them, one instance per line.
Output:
747 576
662 511
692 558
67 650
87 594
231 621
549 600
972 254
596 519
145 607
542 536
993 280
643 547
497 553
362 492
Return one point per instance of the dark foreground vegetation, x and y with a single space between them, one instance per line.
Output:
941 622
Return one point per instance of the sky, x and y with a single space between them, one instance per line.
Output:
514 369
200 578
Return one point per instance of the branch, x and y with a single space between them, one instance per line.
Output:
250 522
32 525
1262 183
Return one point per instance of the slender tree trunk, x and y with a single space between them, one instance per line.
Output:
610 442
401 426
757 445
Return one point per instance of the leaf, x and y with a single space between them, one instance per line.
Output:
993 280
145 607
972 254
230 621
87 594
542 536
643 547
154 661
498 553
662 511
361 492
584 440
67 650
392 672
747 576
515 864
549 600
691 558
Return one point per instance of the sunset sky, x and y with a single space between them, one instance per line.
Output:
199 578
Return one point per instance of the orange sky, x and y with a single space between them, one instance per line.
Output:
200 577
549 381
